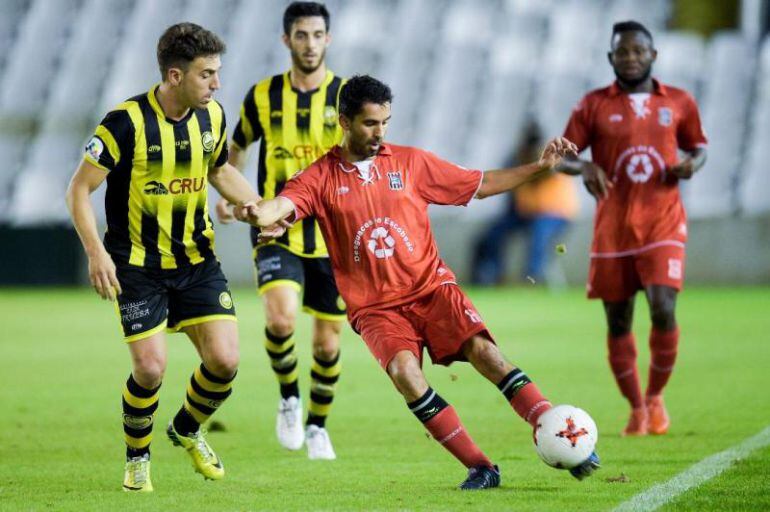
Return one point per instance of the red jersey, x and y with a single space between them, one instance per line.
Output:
635 139
376 224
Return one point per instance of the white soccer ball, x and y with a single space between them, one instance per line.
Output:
565 436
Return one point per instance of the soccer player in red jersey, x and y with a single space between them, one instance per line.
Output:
371 201
635 127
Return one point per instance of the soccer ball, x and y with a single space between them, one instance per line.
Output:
565 436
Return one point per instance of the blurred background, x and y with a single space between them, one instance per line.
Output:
474 81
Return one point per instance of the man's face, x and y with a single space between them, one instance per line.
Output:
198 84
632 56
366 131
307 43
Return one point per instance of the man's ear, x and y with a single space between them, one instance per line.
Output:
174 76
345 122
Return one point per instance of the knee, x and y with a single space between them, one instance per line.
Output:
326 342
224 363
619 324
662 315
149 369
404 370
281 324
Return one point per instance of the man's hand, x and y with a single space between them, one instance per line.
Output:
273 231
684 169
101 272
595 180
224 211
247 212
554 151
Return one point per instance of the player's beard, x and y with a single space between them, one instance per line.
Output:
296 58
634 82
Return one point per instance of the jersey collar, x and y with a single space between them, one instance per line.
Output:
384 150
153 99
657 88
326 81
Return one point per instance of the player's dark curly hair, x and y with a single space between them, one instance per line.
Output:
362 89
297 10
630 26
180 44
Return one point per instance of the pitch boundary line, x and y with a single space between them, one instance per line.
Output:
697 474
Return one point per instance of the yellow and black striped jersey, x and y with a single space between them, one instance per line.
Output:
156 202
296 129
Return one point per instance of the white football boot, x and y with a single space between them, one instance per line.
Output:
288 423
319 446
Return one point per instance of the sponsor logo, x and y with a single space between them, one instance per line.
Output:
281 153
95 148
665 116
137 422
616 118
394 180
674 268
276 114
341 303
330 117
226 300
207 140
131 311
380 236
342 190
155 148
472 316
175 186
639 163
136 327
155 188
182 145
303 112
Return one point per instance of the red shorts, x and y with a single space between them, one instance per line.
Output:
440 322
616 278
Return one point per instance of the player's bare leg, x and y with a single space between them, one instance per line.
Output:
664 340
324 373
281 305
523 395
621 347
441 420
140 401
210 385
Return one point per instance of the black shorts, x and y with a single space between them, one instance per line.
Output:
153 299
277 266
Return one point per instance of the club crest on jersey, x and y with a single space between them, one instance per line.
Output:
330 117
95 148
394 180
207 140
665 116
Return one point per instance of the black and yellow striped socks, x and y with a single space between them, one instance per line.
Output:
139 406
323 381
283 360
205 393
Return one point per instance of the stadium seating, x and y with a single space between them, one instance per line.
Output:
465 80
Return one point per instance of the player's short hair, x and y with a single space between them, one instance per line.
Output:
180 44
629 26
362 89
297 10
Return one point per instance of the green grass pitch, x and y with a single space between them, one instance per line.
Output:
62 366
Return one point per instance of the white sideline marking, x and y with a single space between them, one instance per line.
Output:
697 474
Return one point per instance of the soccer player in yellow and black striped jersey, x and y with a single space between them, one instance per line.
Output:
158 152
294 115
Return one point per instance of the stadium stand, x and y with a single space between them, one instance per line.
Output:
465 79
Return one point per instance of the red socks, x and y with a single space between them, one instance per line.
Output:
663 349
622 357
449 431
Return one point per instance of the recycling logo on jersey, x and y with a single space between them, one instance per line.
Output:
381 238
639 163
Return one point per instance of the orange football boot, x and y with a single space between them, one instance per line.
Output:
658 416
637 423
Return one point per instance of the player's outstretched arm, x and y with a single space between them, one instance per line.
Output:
594 177
237 158
101 269
265 213
689 164
503 180
232 185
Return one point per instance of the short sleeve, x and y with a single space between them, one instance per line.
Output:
112 141
304 190
248 129
689 133
578 128
440 182
221 151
